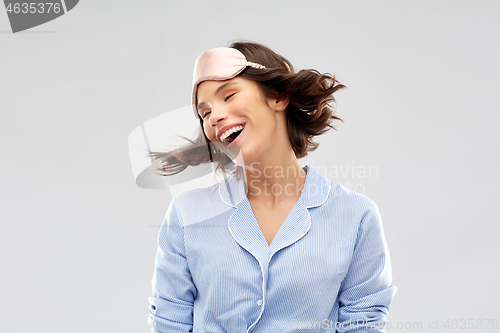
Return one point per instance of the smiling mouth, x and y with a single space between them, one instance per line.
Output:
228 142
230 138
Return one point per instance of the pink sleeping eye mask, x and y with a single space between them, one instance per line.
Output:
219 64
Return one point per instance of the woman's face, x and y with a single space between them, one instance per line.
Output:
238 105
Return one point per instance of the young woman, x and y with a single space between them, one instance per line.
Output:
274 247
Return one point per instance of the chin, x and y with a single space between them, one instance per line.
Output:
234 153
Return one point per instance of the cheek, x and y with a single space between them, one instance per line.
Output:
241 103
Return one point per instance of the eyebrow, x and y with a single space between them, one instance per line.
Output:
221 87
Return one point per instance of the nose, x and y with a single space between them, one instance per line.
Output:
216 115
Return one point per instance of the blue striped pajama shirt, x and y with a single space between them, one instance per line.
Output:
327 268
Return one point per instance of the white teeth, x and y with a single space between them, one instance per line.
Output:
229 132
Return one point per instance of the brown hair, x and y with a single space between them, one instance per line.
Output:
309 112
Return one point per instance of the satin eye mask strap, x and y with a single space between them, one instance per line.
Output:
255 65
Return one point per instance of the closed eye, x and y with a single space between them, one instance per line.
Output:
228 97
206 113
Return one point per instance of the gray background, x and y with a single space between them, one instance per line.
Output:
77 241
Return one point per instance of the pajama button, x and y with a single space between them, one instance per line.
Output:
259 302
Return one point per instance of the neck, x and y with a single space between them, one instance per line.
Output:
275 181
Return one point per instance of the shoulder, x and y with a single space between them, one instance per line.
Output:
197 205
196 196
349 202
341 192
